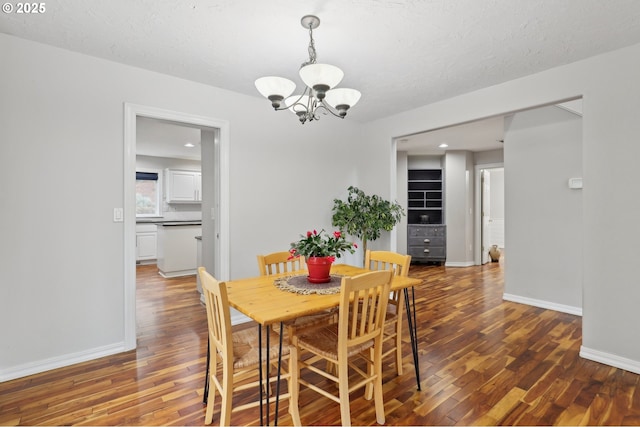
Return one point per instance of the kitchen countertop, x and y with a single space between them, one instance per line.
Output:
160 221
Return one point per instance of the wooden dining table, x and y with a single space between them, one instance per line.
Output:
266 304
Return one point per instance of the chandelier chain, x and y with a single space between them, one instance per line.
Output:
312 49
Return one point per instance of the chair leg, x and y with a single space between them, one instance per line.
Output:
210 398
343 381
398 340
377 388
227 391
205 394
210 404
294 385
368 389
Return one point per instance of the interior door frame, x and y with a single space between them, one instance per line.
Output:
478 209
221 165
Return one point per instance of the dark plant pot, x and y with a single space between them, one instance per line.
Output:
319 269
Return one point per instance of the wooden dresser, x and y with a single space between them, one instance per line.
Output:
427 242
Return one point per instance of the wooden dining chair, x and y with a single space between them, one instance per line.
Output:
398 264
363 302
281 262
235 353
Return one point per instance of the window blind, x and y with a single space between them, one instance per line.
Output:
146 176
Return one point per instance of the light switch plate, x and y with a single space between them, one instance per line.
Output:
118 214
575 183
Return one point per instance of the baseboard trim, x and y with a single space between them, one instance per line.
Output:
610 359
179 273
459 263
59 362
543 304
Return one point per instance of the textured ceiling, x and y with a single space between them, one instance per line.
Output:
399 54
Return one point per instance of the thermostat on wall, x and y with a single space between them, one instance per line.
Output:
575 183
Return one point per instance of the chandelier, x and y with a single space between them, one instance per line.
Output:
320 94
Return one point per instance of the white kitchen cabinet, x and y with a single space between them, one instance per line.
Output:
183 186
146 242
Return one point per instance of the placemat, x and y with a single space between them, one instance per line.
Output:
300 285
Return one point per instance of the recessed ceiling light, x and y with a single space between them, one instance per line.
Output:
443 145
189 145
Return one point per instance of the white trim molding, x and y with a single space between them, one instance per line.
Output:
610 359
39 366
477 204
577 311
459 264
221 147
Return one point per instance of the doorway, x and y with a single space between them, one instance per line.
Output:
215 211
491 211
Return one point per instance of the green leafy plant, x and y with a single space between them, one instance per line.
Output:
365 216
316 244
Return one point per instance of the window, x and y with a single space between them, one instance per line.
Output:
148 193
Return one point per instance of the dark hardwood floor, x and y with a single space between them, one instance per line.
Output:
483 361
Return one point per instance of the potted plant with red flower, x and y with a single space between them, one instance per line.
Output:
320 250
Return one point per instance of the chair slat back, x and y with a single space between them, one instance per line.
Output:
385 260
279 262
363 303
218 315
397 263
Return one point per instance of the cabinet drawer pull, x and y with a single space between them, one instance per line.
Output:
427 241
426 251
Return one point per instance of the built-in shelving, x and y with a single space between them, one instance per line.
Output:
425 196
426 232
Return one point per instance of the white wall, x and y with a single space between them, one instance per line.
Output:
402 180
61 116
458 185
62 162
496 204
543 149
490 157
425 162
496 207
611 101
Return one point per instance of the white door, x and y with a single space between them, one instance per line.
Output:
486 214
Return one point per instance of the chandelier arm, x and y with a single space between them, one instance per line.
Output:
306 91
330 109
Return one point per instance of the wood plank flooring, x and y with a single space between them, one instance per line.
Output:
483 361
